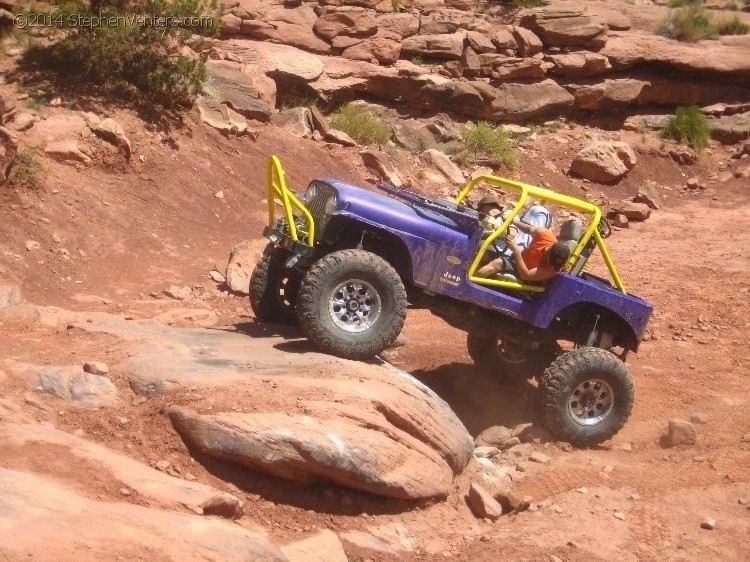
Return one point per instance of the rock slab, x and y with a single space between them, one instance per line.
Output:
604 161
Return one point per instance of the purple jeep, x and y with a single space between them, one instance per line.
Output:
346 263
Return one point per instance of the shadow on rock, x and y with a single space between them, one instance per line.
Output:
482 401
319 497
265 330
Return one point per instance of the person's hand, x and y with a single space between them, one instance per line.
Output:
511 243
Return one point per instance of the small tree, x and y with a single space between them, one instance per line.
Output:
133 56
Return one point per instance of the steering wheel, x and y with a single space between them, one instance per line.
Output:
604 229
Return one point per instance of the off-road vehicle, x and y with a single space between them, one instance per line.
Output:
346 263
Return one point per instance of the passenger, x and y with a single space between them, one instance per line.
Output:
541 260
490 207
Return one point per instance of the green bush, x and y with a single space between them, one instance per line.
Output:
26 170
681 3
137 62
690 23
731 26
688 126
488 143
361 125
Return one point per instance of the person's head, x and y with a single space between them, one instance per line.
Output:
557 255
487 204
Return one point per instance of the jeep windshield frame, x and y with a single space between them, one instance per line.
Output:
545 195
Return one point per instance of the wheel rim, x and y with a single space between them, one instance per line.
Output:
591 402
354 306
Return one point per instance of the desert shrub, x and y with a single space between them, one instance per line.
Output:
690 23
26 171
487 143
361 125
134 61
417 59
731 26
688 126
733 5
681 3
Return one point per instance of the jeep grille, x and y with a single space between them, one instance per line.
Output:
318 204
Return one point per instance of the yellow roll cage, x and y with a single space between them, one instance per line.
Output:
277 188
544 195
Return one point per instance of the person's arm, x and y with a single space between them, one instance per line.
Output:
526 274
523 226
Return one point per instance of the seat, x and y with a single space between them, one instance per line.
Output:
570 233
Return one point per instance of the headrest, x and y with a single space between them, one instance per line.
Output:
571 229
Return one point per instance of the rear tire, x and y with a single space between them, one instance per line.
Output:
588 395
352 304
273 289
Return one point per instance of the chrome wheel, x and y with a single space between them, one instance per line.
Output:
591 402
354 306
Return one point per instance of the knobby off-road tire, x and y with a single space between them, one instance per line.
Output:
273 290
588 395
490 358
352 304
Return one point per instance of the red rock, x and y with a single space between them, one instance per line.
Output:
483 504
604 161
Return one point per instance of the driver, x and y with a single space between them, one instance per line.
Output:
541 260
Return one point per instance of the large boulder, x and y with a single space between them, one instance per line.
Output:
66 150
112 132
609 94
296 121
444 46
731 129
402 24
357 450
378 161
147 482
630 48
69 383
385 48
440 162
604 161
242 260
579 64
566 27
501 67
67 523
518 102
353 22
222 118
289 25
246 90
528 42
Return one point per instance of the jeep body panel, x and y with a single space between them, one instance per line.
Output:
441 251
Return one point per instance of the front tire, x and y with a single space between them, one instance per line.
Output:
588 395
352 304
273 289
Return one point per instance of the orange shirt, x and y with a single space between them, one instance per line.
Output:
534 253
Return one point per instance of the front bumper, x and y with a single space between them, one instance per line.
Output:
284 241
